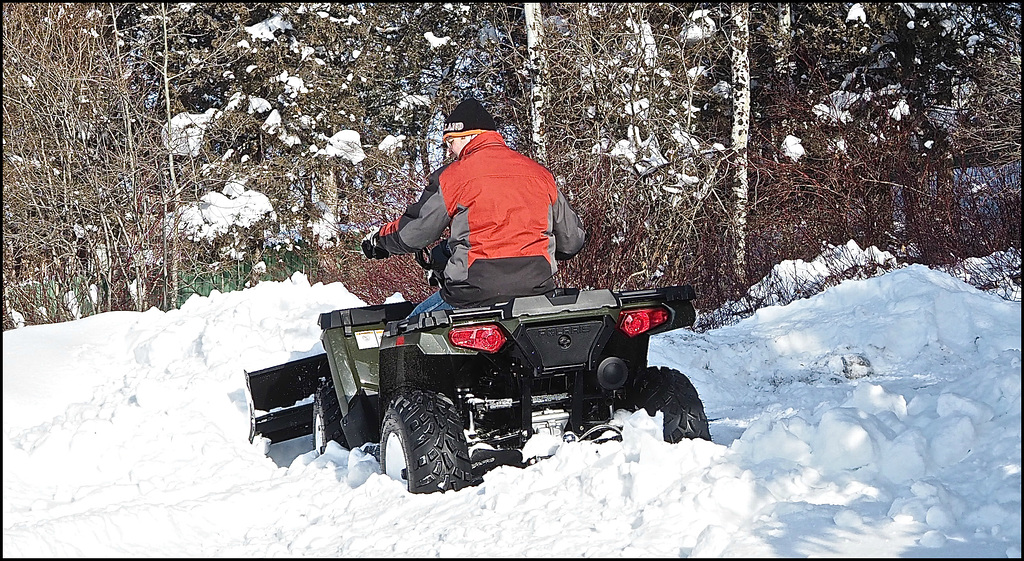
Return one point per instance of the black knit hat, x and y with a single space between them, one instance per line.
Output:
468 116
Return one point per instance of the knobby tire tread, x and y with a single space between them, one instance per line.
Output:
670 391
325 402
439 456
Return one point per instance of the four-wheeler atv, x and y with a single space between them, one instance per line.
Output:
431 387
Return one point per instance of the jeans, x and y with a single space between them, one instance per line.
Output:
431 303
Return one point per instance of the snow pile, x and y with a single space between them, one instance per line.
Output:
794 279
929 433
878 418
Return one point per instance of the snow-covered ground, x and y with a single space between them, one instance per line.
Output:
881 417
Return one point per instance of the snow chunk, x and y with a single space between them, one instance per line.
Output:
856 13
258 105
901 109
701 28
688 144
216 213
265 29
638 108
234 187
844 440
293 85
434 40
272 123
791 147
391 143
184 135
345 144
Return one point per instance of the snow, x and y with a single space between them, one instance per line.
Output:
792 147
702 28
856 13
900 110
880 417
345 144
184 135
264 30
258 105
216 213
391 143
436 41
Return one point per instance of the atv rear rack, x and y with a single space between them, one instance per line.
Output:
563 300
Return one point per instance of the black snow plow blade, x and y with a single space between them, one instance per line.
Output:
281 404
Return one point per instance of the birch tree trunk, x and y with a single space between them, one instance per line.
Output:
170 300
784 46
740 42
539 75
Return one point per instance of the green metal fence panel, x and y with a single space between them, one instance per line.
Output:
278 266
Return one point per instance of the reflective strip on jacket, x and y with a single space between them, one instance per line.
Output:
510 224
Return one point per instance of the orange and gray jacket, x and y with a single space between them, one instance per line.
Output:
509 224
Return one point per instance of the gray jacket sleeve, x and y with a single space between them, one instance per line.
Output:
422 223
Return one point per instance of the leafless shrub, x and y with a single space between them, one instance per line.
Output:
373 281
998 273
81 217
637 128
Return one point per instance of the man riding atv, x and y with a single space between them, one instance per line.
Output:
509 222
455 386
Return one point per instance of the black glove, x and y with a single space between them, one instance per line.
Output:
372 248
434 262
439 255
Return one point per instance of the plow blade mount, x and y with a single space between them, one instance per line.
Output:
280 398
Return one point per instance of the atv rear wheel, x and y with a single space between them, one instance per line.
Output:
326 417
667 390
423 444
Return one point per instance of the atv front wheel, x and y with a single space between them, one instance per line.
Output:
667 390
423 444
326 417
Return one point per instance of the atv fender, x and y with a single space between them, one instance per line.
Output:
352 339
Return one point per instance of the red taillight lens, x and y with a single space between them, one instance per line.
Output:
487 338
635 322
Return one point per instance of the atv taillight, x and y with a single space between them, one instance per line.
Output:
487 338
635 322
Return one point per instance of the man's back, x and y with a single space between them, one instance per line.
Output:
507 196
507 217
509 222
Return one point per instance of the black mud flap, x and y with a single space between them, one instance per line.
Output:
362 424
281 398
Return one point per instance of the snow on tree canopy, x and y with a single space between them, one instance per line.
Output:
265 29
791 147
856 13
215 213
344 144
184 135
